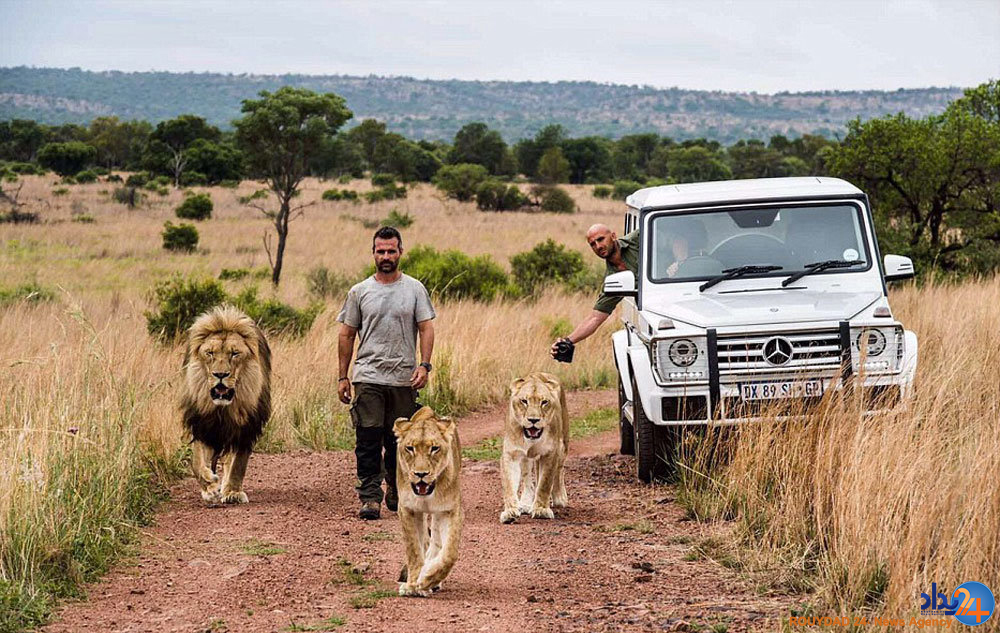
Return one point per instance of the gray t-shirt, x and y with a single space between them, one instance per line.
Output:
386 316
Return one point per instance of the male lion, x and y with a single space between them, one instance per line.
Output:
535 443
227 399
428 462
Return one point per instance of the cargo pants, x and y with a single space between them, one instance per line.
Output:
373 413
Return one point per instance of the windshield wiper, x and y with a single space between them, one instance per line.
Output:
816 267
733 273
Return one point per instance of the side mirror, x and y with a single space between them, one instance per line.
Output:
898 268
621 284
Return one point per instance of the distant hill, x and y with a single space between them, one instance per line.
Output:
434 109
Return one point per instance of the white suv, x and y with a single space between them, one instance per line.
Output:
752 292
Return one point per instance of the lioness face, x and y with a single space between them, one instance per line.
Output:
222 356
532 403
424 442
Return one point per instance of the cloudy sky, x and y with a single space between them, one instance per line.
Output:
747 45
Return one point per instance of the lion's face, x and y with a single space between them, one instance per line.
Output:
223 356
533 403
424 449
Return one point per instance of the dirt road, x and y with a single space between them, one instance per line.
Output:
297 558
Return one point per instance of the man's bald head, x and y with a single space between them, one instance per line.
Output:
602 240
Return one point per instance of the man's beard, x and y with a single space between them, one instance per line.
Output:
611 251
388 266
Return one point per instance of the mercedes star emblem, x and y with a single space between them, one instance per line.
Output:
777 350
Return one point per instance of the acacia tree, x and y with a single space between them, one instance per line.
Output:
280 133
176 136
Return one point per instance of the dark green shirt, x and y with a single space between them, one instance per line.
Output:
629 245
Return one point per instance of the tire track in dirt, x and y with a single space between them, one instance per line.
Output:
615 560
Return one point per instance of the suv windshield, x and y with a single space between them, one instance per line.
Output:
697 246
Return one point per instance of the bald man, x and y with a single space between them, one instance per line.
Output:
618 254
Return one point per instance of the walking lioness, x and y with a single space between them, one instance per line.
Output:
428 462
535 443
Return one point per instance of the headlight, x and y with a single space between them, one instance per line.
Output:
683 352
870 342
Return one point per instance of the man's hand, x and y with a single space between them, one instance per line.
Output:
555 346
344 391
419 377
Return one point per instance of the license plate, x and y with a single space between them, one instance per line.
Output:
785 389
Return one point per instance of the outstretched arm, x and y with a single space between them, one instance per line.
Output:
587 327
426 329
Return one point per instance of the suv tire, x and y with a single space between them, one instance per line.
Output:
650 440
624 426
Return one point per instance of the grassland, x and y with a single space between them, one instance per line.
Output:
865 511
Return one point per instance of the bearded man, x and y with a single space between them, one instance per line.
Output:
618 253
388 309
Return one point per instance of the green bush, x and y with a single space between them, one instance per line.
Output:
345 179
195 207
193 178
84 218
233 274
179 301
66 158
460 181
24 169
453 274
603 191
182 237
113 178
86 176
388 192
229 184
547 262
383 180
276 317
340 194
398 220
138 179
60 191
30 292
494 195
130 196
324 283
553 199
625 188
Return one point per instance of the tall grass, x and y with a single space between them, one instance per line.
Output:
870 511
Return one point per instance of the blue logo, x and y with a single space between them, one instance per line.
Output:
974 603
937 603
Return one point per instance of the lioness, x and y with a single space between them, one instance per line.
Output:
428 462
227 399
535 443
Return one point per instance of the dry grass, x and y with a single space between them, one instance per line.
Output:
871 510
88 400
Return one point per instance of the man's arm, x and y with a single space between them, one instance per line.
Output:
426 329
345 349
587 327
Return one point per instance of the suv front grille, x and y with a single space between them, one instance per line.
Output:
815 352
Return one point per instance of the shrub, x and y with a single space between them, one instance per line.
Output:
127 195
340 194
398 220
625 188
60 191
454 275
276 317
113 178
547 262
345 179
179 301
30 292
138 179
233 274
193 178
195 207
229 184
85 177
84 218
388 192
460 181
383 180
182 237
25 169
494 195
603 191
20 217
553 199
66 158
324 283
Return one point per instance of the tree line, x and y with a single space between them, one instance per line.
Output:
934 181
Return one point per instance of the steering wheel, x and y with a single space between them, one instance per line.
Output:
754 248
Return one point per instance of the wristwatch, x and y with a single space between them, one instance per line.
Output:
426 366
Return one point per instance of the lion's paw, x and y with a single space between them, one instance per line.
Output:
211 496
542 513
412 591
235 497
560 502
509 516
524 508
